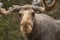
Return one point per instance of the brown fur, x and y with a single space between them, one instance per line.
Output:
38 27
26 23
26 7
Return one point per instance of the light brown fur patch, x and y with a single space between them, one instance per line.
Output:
26 23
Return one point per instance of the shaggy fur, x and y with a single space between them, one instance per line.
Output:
45 28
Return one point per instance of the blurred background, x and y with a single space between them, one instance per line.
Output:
9 25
